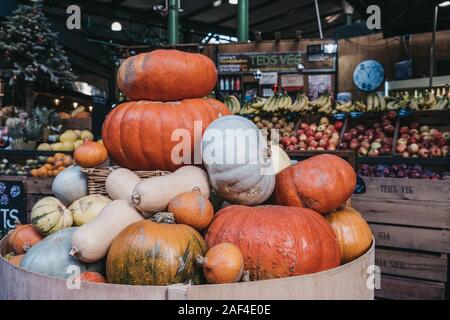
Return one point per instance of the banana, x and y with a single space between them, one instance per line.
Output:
369 102
430 101
260 102
441 105
382 102
376 103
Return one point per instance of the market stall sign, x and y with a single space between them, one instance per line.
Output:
12 205
263 61
292 81
268 78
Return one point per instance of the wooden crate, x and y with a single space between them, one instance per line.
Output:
410 220
398 288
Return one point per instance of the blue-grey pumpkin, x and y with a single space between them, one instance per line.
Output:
51 256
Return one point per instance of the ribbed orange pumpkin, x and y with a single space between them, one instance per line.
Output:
321 183
352 231
192 208
138 135
277 241
223 263
90 154
167 75
23 237
91 276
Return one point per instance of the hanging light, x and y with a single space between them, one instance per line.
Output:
233 1
56 101
217 3
444 4
116 26
75 105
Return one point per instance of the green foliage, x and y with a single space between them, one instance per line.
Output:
29 50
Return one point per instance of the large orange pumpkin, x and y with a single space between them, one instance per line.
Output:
155 252
167 75
352 231
138 135
23 237
322 183
277 241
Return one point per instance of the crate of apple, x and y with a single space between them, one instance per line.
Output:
416 141
314 137
401 171
371 139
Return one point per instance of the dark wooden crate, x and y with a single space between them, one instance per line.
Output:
399 288
412 264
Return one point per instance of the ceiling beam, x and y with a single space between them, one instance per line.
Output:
304 22
282 14
139 16
200 10
251 9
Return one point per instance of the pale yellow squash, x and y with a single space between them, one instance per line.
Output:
87 208
120 184
153 195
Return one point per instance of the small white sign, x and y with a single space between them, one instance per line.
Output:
268 78
292 81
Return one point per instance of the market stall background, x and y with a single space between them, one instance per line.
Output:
412 245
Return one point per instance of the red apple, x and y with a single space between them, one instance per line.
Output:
335 135
433 131
338 124
426 137
320 148
354 132
404 130
413 131
441 142
323 143
318 135
333 141
365 144
347 137
389 129
304 126
303 137
309 133
300 132
405 136
354 144
294 140
424 152
311 148
401 148
290 148
402 141
286 141
405 154
331 147
313 143
391 115
328 131
313 127
436 152
302 144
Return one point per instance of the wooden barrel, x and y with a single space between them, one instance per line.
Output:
348 281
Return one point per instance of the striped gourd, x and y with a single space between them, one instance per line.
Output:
50 215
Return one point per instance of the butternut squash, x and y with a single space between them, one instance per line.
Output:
120 184
153 195
91 241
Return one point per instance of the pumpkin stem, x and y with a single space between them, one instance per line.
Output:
246 276
74 252
196 189
135 198
17 222
163 217
201 261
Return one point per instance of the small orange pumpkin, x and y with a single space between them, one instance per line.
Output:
352 231
223 263
192 208
83 115
23 237
64 115
90 154
91 276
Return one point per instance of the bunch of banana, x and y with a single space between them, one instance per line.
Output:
375 102
258 103
323 104
442 100
277 102
301 104
248 108
233 104
345 106
359 106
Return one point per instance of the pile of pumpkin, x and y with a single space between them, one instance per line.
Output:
171 228
54 165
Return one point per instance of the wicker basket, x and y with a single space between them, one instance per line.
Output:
97 177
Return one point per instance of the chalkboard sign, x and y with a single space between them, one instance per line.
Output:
263 61
12 204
